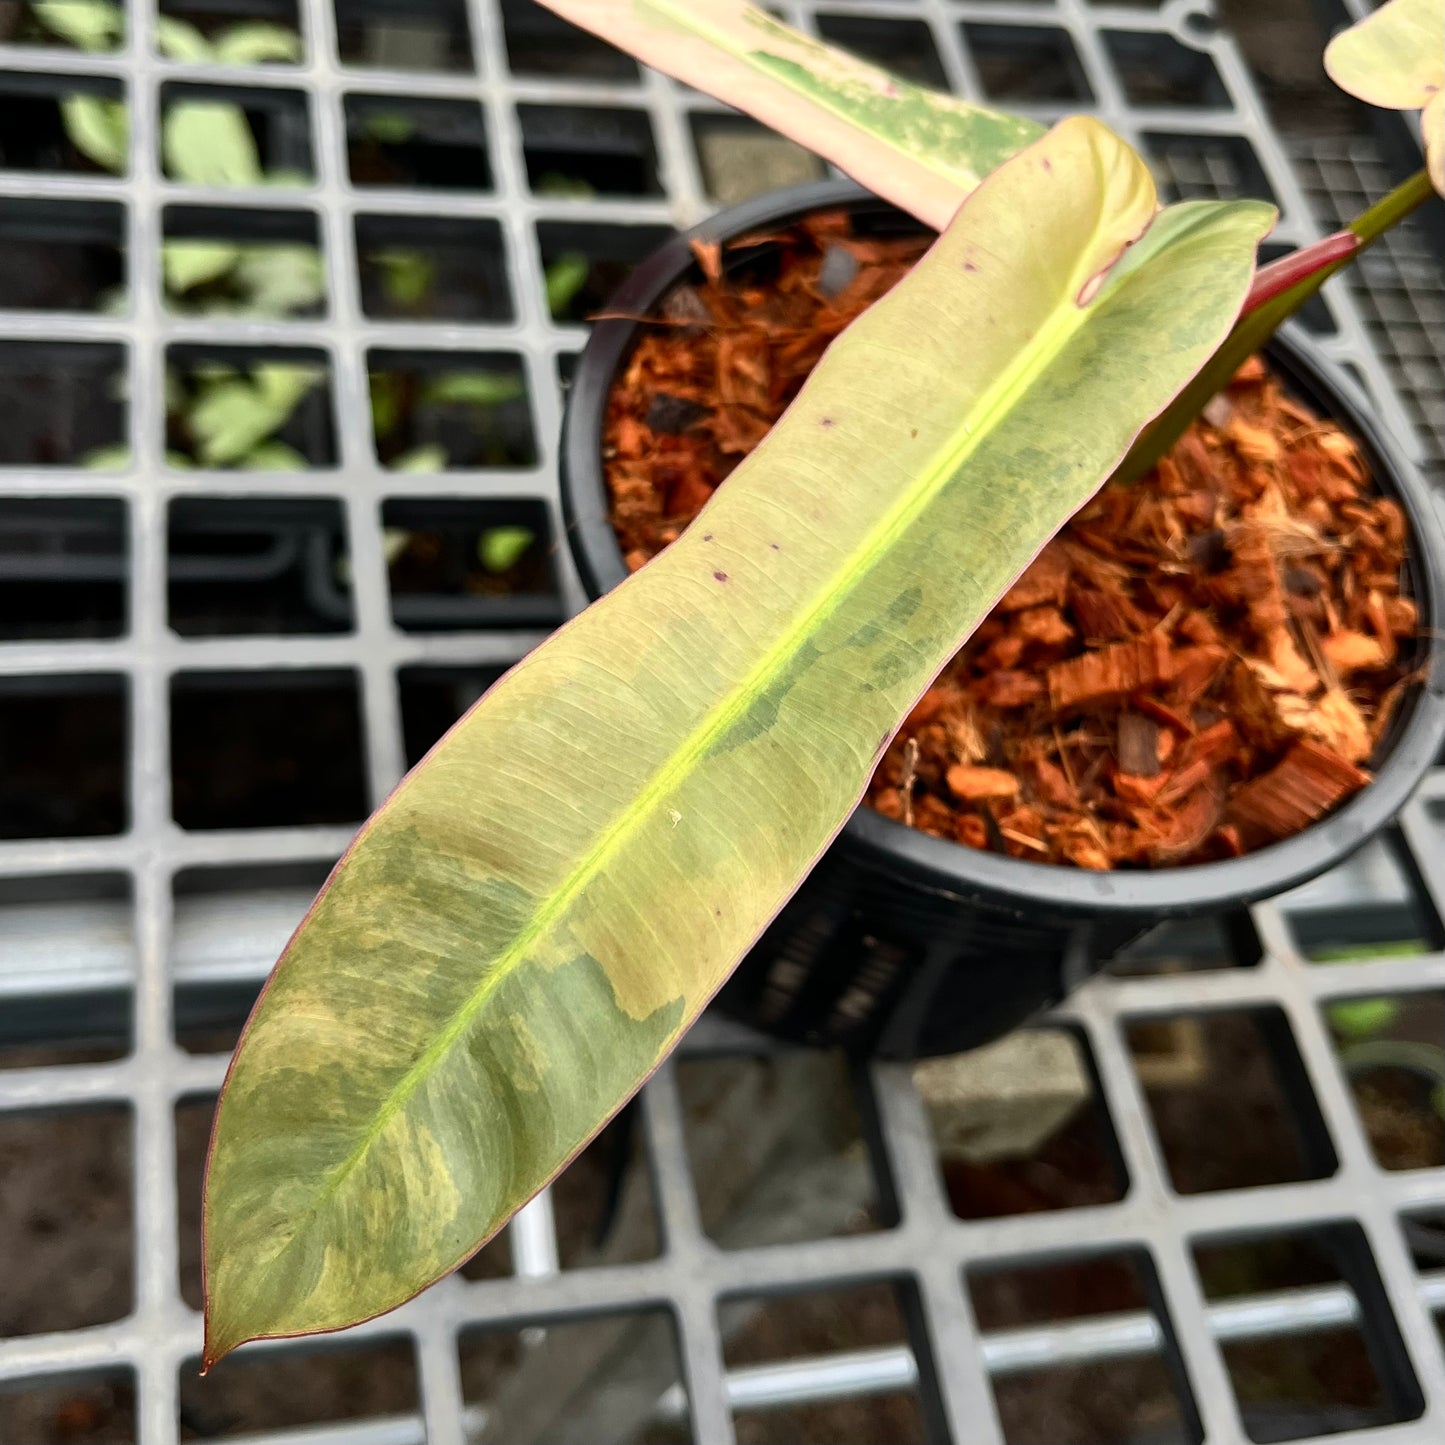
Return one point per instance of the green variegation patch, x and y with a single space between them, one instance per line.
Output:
921 149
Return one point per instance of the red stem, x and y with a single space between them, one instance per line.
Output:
1297 266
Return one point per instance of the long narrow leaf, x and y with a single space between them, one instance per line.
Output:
921 149
519 935
1395 57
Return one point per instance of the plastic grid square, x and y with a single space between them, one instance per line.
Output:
153 947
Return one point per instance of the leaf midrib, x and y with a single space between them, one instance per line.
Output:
1030 362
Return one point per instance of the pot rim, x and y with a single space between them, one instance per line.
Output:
953 867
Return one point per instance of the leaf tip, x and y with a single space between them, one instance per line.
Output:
214 1349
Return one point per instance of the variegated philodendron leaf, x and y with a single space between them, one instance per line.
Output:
919 148
521 933
1395 58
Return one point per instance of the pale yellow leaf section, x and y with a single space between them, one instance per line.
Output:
919 148
1395 58
526 927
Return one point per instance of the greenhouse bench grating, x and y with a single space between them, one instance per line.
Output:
143 897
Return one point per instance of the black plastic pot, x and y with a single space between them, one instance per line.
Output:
905 945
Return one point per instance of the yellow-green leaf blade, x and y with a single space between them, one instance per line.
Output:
1395 58
920 148
524 929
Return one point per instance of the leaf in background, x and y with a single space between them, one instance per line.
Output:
193 261
388 127
114 458
1362 1018
231 417
554 183
89 25
406 275
563 279
1395 58
209 143
921 149
99 129
520 934
284 383
499 549
432 458
180 40
473 388
256 43
273 457
286 178
279 279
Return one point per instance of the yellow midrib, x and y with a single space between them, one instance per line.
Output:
998 399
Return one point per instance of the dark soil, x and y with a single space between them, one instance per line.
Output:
63 744
1247 1120
823 1322
1201 663
65 1220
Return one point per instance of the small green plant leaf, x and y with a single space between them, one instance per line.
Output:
407 275
89 25
284 383
209 143
1362 1018
554 183
232 416
385 392
499 549
277 280
389 127
180 40
1395 58
431 458
487 975
563 279
107 459
921 149
99 128
258 43
472 388
286 178
194 261
227 420
1392 948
